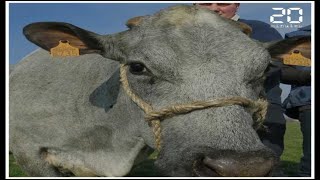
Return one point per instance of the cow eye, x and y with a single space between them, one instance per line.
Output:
137 68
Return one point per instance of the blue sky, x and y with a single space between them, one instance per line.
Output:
106 18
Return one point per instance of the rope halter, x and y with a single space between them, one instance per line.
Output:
257 108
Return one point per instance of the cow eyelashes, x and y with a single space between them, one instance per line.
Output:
137 68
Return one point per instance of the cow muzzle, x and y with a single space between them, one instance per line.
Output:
235 164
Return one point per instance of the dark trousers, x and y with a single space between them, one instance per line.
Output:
305 126
272 135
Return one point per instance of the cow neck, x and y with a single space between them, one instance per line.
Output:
257 108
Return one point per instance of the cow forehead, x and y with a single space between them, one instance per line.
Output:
177 15
180 23
186 35
183 14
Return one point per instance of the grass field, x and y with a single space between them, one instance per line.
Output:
293 149
289 161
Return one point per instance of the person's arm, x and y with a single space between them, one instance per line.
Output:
293 76
290 74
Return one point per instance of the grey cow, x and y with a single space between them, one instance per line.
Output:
70 116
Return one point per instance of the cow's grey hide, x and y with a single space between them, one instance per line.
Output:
69 115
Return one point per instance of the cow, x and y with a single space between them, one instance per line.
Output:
71 116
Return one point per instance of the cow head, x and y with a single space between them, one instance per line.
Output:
179 55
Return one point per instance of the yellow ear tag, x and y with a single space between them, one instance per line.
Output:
64 49
296 58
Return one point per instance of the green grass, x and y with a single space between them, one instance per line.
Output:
289 160
293 149
14 169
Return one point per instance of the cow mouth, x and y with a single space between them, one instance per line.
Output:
203 168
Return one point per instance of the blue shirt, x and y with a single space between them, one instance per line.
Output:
262 31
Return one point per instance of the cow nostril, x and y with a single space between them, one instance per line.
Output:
201 170
223 167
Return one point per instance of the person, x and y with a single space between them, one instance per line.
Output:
260 30
297 105
263 32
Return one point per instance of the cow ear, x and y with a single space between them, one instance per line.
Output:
48 35
134 22
282 48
